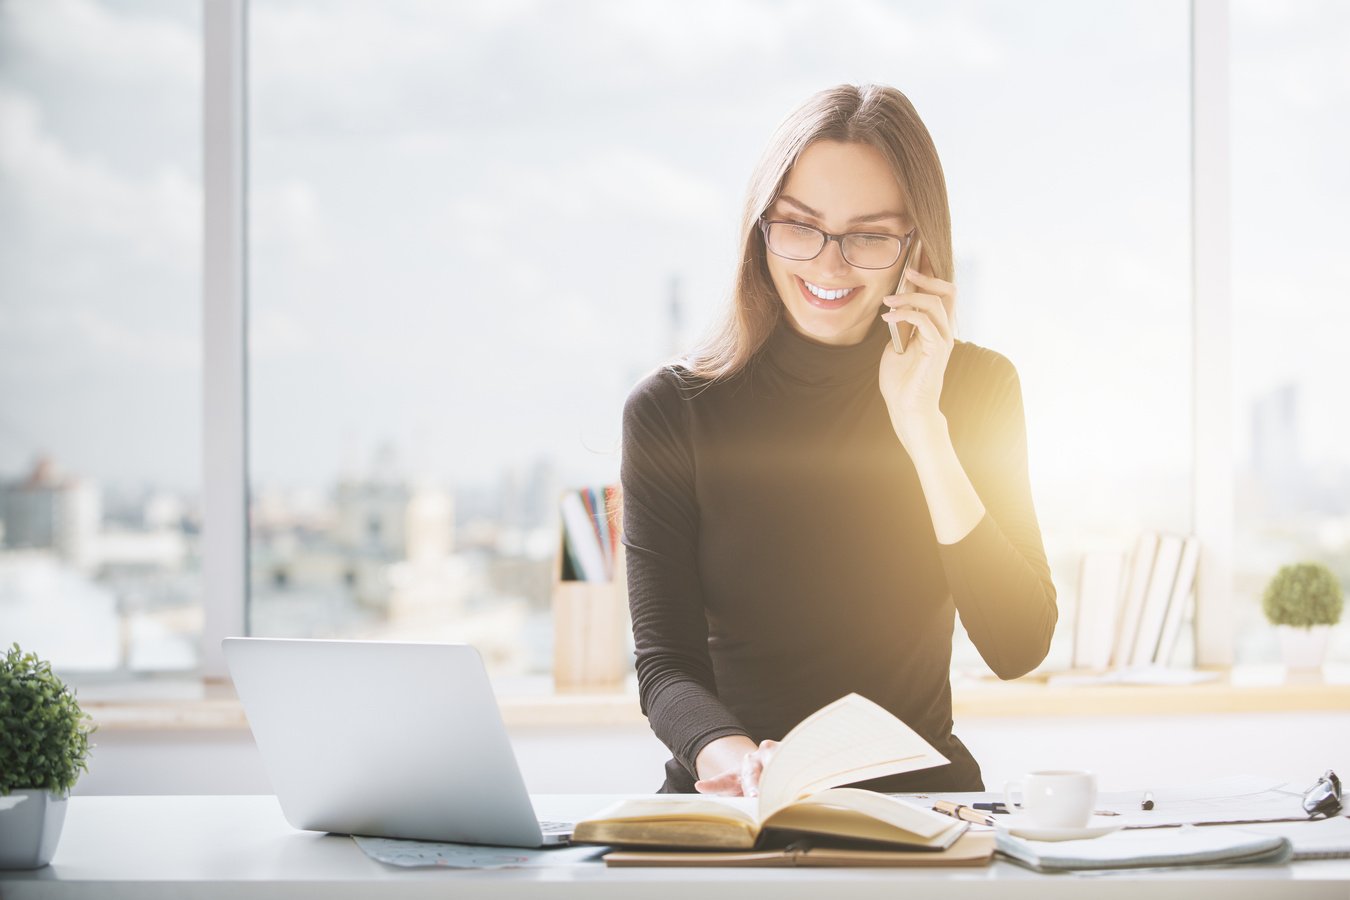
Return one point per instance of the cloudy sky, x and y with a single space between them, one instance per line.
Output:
466 218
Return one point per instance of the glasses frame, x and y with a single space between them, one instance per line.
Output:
826 237
1324 798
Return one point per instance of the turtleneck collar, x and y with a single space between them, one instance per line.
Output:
809 362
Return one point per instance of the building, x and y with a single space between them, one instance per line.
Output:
51 511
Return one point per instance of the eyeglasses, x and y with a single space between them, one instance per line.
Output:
794 240
1324 797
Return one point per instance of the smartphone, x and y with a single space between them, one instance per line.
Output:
903 332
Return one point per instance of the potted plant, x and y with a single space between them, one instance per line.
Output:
1303 601
44 745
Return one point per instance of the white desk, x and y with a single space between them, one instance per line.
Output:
189 847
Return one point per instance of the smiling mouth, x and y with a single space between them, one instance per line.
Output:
821 297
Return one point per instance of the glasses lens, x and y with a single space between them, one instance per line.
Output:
871 251
794 241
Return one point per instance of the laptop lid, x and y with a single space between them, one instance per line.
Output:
381 738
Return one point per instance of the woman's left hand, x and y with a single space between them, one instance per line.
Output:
911 382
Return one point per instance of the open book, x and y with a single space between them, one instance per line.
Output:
852 739
974 848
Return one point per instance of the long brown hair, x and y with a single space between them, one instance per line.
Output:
872 114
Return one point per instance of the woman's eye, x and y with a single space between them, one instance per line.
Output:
871 240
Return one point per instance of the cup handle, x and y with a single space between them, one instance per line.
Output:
1008 788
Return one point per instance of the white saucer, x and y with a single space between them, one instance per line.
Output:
1021 826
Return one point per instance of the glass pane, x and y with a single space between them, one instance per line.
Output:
1290 193
475 228
100 333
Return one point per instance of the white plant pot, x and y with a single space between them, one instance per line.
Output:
1303 648
30 826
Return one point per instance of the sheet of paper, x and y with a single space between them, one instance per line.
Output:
1313 839
1241 798
412 854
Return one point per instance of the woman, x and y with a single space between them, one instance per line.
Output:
805 508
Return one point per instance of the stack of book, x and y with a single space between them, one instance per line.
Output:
1130 609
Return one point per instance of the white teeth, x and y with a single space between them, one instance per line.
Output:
824 294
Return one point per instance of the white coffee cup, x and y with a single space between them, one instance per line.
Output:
1055 798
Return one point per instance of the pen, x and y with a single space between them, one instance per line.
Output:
995 808
1148 801
961 811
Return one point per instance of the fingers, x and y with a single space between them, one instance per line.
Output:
728 784
935 307
932 282
944 290
744 780
923 323
919 309
751 767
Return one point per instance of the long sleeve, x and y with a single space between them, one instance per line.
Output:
998 573
781 552
676 684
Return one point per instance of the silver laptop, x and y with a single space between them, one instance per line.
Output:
399 740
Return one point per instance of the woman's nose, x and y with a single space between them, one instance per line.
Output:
831 259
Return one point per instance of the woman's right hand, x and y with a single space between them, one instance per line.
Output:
732 766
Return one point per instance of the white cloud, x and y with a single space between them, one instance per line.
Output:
428 68
286 217
618 182
101 333
99 42
276 334
74 196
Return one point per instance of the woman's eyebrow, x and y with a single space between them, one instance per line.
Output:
870 217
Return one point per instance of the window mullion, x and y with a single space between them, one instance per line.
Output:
1213 480
224 318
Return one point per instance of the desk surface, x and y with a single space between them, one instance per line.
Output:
242 846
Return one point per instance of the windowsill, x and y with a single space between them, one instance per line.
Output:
213 706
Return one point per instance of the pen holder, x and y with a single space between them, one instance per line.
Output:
588 646
590 625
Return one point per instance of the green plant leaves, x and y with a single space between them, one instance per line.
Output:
1303 595
44 735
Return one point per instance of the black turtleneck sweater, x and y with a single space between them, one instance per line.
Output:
781 553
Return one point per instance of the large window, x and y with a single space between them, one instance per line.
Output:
475 227
1291 311
100 335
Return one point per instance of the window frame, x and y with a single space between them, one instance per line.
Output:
225 563
224 330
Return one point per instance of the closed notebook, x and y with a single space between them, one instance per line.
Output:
1147 847
973 848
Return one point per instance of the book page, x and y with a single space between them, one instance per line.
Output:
905 815
679 806
852 739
